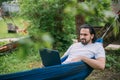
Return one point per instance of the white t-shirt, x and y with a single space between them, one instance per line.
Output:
95 50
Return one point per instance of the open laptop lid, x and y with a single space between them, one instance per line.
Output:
50 57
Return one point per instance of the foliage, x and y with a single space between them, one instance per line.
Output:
96 12
12 63
3 1
113 59
48 16
4 31
116 27
56 17
3 43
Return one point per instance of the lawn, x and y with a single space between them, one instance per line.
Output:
3 27
13 63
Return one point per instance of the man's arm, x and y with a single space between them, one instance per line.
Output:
98 63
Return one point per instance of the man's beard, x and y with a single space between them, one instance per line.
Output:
84 41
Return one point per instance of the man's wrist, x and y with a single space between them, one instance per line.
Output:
83 58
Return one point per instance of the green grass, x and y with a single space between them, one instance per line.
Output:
3 27
13 63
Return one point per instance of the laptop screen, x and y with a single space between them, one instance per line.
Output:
50 57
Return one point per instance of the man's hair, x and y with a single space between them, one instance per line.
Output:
91 29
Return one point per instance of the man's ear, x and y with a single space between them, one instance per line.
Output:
92 36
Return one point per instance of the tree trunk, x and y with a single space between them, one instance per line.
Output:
79 21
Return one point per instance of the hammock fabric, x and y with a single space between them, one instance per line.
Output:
77 71
71 71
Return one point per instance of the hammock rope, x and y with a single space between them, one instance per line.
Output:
116 17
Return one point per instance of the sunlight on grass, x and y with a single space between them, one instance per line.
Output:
12 63
3 27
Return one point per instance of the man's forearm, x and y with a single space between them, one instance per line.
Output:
95 63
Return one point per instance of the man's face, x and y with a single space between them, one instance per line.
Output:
85 36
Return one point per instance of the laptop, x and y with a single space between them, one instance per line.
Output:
50 57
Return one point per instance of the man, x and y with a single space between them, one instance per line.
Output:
86 49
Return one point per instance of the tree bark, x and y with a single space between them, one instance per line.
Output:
79 21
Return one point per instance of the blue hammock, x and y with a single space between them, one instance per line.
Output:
71 71
78 70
